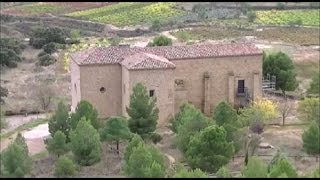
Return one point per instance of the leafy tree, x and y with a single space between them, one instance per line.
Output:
280 65
50 48
116 129
60 121
311 139
3 93
209 150
309 109
57 145
10 51
224 113
255 168
160 41
187 113
183 173
42 36
85 143
223 172
134 142
267 108
84 109
15 161
187 130
142 111
282 167
145 161
22 142
46 60
315 84
64 167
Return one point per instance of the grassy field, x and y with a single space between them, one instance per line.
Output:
129 13
38 8
307 70
285 17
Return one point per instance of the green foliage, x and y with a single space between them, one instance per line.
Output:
46 60
309 110
142 111
280 65
187 113
316 173
315 84
60 121
184 173
84 109
42 36
116 129
160 41
134 142
57 145
15 161
115 41
50 48
282 167
3 93
251 16
183 36
145 161
209 150
64 167
156 25
75 35
255 168
22 142
281 5
42 53
10 51
223 172
311 139
155 137
85 143
3 122
224 113
187 130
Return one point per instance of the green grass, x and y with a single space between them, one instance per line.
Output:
24 127
307 70
40 8
130 13
285 17
40 155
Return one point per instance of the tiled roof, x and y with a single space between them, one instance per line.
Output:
143 60
113 55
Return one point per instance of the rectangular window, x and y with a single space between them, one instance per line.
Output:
240 86
151 93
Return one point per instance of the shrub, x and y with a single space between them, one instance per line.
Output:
311 139
115 41
84 109
15 161
309 110
20 140
37 43
281 5
257 127
255 168
209 150
282 167
10 51
224 113
42 53
46 60
85 143
57 145
183 173
64 167
142 111
223 172
50 48
3 122
60 121
315 84
251 16
134 142
42 36
156 25
161 41
156 138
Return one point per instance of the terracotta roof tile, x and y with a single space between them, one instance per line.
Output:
143 60
113 55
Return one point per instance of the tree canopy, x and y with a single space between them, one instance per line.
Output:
84 109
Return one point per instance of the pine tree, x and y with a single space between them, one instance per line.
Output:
57 145
84 109
60 121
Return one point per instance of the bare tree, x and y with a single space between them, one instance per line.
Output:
285 109
43 95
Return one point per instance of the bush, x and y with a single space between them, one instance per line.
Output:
134 142
60 121
183 173
282 167
281 5
156 25
15 161
256 168
315 84
85 143
50 48
224 113
223 172
37 43
115 41
251 16
46 60
3 122
42 36
155 138
309 110
257 127
209 149
57 145
161 41
42 53
84 109
311 139
64 167
22 142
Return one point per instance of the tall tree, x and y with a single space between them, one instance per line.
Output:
20 140
85 143
142 111
116 129
309 110
280 65
84 109
315 84
209 149
60 121
311 139
57 145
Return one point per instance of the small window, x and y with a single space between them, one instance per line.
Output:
240 86
102 89
151 93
